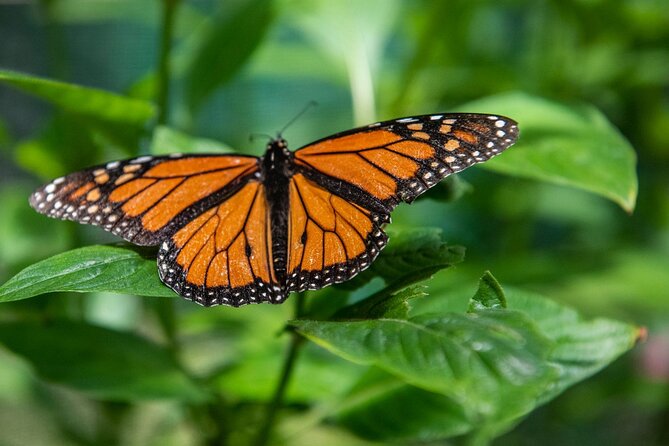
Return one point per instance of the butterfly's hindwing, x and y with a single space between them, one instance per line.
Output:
224 256
330 239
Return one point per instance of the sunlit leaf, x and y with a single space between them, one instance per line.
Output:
489 295
582 347
533 334
118 269
492 361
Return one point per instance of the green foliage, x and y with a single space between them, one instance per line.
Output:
103 363
418 348
224 45
477 372
167 140
88 102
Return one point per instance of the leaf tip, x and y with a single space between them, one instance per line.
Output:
641 335
489 295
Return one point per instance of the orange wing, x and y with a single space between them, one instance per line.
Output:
330 239
148 198
382 164
224 255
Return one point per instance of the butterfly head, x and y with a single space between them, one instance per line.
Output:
278 147
277 155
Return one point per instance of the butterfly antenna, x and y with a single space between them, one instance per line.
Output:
297 116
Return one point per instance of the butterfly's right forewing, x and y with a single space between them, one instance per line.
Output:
380 165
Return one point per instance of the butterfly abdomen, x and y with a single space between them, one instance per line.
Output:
275 174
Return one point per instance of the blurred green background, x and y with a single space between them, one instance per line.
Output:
361 61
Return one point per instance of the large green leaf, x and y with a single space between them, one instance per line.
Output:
103 363
84 101
551 335
118 269
491 362
225 44
573 145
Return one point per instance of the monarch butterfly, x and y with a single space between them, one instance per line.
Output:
236 229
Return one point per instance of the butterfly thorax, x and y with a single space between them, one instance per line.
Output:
276 172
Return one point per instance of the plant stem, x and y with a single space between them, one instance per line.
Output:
286 372
165 311
166 31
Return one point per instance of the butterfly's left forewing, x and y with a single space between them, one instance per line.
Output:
146 199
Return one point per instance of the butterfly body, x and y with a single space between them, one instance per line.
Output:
236 229
277 168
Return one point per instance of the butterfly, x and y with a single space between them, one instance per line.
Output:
237 229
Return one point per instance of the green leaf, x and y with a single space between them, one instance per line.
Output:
103 363
491 362
528 353
382 408
225 45
573 145
118 269
167 140
488 296
411 256
582 347
89 102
